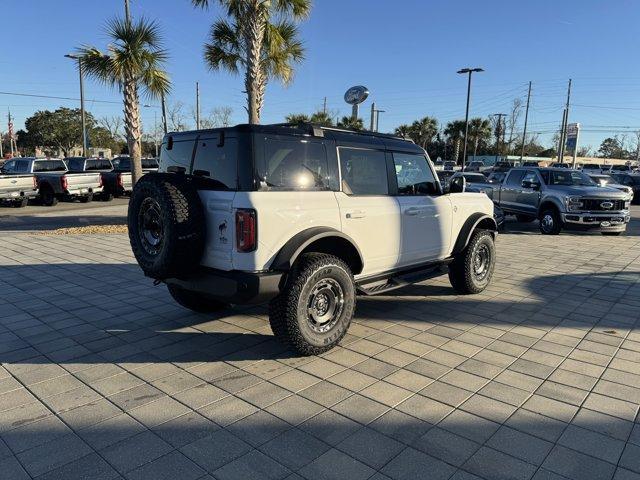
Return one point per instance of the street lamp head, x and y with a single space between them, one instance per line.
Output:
470 70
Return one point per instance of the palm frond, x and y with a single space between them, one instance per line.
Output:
298 9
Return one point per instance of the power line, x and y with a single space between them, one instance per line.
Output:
33 95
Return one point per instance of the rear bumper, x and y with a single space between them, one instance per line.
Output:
81 191
234 286
605 222
17 195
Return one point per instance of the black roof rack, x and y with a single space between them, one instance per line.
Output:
316 129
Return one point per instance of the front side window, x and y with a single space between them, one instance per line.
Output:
530 177
414 175
364 172
515 178
294 165
218 164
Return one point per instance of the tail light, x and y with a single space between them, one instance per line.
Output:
119 179
35 183
246 233
64 182
100 183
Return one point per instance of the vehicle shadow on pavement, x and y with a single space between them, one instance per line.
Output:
21 223
104 373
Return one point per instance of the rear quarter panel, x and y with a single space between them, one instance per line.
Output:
281 215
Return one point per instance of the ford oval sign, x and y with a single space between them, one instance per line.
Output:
356 95
607 205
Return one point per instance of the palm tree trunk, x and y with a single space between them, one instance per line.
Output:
475 148
133 128
457 149
254 35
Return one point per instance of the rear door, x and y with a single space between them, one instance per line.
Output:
370 215
511 187
425 212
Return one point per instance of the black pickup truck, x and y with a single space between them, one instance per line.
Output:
91 164
118 181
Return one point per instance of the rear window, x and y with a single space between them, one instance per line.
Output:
293 164
149 163
97 164
218 164
475 177
75 164
179 155
122 163
49 166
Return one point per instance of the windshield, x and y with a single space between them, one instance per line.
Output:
475 178
601 179
571 178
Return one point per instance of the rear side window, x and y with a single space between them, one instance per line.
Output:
515 178
364 172
218 164
21 166
294 165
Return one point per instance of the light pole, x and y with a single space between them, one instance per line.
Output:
84 122
466 117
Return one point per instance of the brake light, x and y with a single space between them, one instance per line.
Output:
100 181
119 179
35 183
64 182
246 234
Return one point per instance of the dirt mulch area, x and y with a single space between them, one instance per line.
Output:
88 230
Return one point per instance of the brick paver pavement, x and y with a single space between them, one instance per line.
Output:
104 376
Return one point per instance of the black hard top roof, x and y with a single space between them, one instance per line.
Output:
340 136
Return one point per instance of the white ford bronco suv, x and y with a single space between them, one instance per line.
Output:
303 217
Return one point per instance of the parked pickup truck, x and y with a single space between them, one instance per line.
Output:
562 198
91 164
53 180
16 189
118 181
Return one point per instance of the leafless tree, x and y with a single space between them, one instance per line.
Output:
512 121
113 124
176 117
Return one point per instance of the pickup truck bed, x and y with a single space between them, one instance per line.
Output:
17 189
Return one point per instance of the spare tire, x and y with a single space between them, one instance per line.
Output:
166 225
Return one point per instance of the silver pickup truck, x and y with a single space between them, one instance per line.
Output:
53 180
17 189
562 198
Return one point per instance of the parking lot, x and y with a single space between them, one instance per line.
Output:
104 376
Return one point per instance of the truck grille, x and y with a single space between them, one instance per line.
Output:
593 204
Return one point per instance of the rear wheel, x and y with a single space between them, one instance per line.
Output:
195 301
87 198
107 196
48 197
314 310
550 222
525 218
611 234
472 269
21 203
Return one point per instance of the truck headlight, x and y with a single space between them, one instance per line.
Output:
574 203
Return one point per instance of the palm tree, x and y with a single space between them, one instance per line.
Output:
134 62
422 131
479 131
250 41
351 123
455 131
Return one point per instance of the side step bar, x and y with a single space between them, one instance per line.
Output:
377 287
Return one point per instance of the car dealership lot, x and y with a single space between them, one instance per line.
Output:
105 376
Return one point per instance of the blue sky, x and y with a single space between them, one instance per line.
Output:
406 52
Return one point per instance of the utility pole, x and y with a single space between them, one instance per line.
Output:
378 112
373 117
324 106
526 118
82 111
197 106
164 114
499 132
466 117
1 140
565 121
11 135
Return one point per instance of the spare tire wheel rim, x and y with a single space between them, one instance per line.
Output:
150 226
481 261
325 305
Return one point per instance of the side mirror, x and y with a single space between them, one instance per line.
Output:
457 185
530 184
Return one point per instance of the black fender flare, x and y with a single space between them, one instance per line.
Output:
291 250
549 201
472 223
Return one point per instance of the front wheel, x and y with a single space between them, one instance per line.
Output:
314 310
472 269
550 222
611 234
194 301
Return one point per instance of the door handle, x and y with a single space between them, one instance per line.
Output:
412 211
356 214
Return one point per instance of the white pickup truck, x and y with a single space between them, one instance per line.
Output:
17 189
53 180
